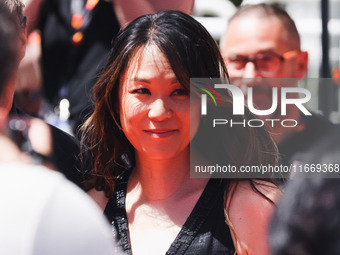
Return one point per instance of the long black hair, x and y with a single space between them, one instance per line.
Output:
192 53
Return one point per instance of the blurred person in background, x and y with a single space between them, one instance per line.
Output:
48 144
261 48
307 219
15 7
41 212
76 36
28 69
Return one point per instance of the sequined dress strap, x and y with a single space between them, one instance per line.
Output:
116 213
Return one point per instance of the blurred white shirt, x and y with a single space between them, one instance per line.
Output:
43 213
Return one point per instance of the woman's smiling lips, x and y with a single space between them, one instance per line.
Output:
161 133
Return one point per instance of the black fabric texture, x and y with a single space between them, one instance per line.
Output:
204 232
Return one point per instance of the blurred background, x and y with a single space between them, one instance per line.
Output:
318 22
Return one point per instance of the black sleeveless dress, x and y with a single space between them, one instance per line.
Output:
204 232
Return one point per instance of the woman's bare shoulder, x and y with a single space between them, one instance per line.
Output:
250 213
244 191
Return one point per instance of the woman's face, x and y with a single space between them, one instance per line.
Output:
154 107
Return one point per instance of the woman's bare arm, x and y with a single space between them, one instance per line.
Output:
250 215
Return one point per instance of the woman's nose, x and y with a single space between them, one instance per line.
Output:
159 110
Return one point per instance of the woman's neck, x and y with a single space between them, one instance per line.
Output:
157 179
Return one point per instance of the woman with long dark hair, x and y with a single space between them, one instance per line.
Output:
139 139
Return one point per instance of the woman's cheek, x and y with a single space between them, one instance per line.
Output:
132 108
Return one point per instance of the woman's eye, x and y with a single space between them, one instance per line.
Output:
142 91
179 92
